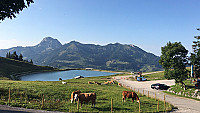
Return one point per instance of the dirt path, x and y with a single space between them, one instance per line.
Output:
184 105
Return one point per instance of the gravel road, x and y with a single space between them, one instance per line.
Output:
184 105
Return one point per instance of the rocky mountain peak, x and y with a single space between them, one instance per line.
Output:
48 39
49 43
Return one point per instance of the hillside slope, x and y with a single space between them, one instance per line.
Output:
10 67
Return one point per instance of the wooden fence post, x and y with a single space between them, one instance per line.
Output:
155 96
148 94
134 89
158 106
139 107
138 91
78 105
164 103
9 97
43 101
111 105
143 92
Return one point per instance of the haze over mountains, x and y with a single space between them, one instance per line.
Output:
77 55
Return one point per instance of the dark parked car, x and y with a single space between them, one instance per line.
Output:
160 86
197 85
154 85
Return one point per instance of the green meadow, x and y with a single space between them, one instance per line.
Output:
55 96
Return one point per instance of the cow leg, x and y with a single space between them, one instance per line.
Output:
93 103
123 99
81 103
132 99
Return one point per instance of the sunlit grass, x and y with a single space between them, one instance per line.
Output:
29 94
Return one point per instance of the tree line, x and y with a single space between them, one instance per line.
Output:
17 57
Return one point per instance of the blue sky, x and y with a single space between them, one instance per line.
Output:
148 24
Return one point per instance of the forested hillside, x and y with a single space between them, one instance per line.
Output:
10 67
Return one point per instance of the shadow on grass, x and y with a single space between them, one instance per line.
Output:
109 109
189 86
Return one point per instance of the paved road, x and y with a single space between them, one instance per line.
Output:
9 109
184 105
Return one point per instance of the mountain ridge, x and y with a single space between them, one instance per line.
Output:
124 57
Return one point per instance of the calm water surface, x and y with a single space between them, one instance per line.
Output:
54 76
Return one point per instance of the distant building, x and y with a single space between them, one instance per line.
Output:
88 68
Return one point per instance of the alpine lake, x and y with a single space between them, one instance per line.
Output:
54 76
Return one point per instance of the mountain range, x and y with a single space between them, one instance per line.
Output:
120 57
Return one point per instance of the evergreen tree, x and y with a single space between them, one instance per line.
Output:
31 61
195 57
7 55
26 60
20 57
14 56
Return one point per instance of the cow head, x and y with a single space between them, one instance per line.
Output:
138 101
73 95
76 97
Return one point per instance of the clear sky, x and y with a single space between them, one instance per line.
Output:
148 24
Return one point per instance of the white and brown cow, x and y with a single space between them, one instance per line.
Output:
86 97
73 94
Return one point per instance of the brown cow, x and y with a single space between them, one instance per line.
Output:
109 82
86 97
90 82
130 94
97 83
73 94
119 84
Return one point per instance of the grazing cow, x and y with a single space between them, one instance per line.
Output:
119 84
109 82
106 83
97 83
130 94
64 82
60 79
73 94
86 97
90 82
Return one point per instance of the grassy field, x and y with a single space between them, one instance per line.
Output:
29 94
155 76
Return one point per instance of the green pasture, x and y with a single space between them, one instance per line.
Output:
29 94
155 76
